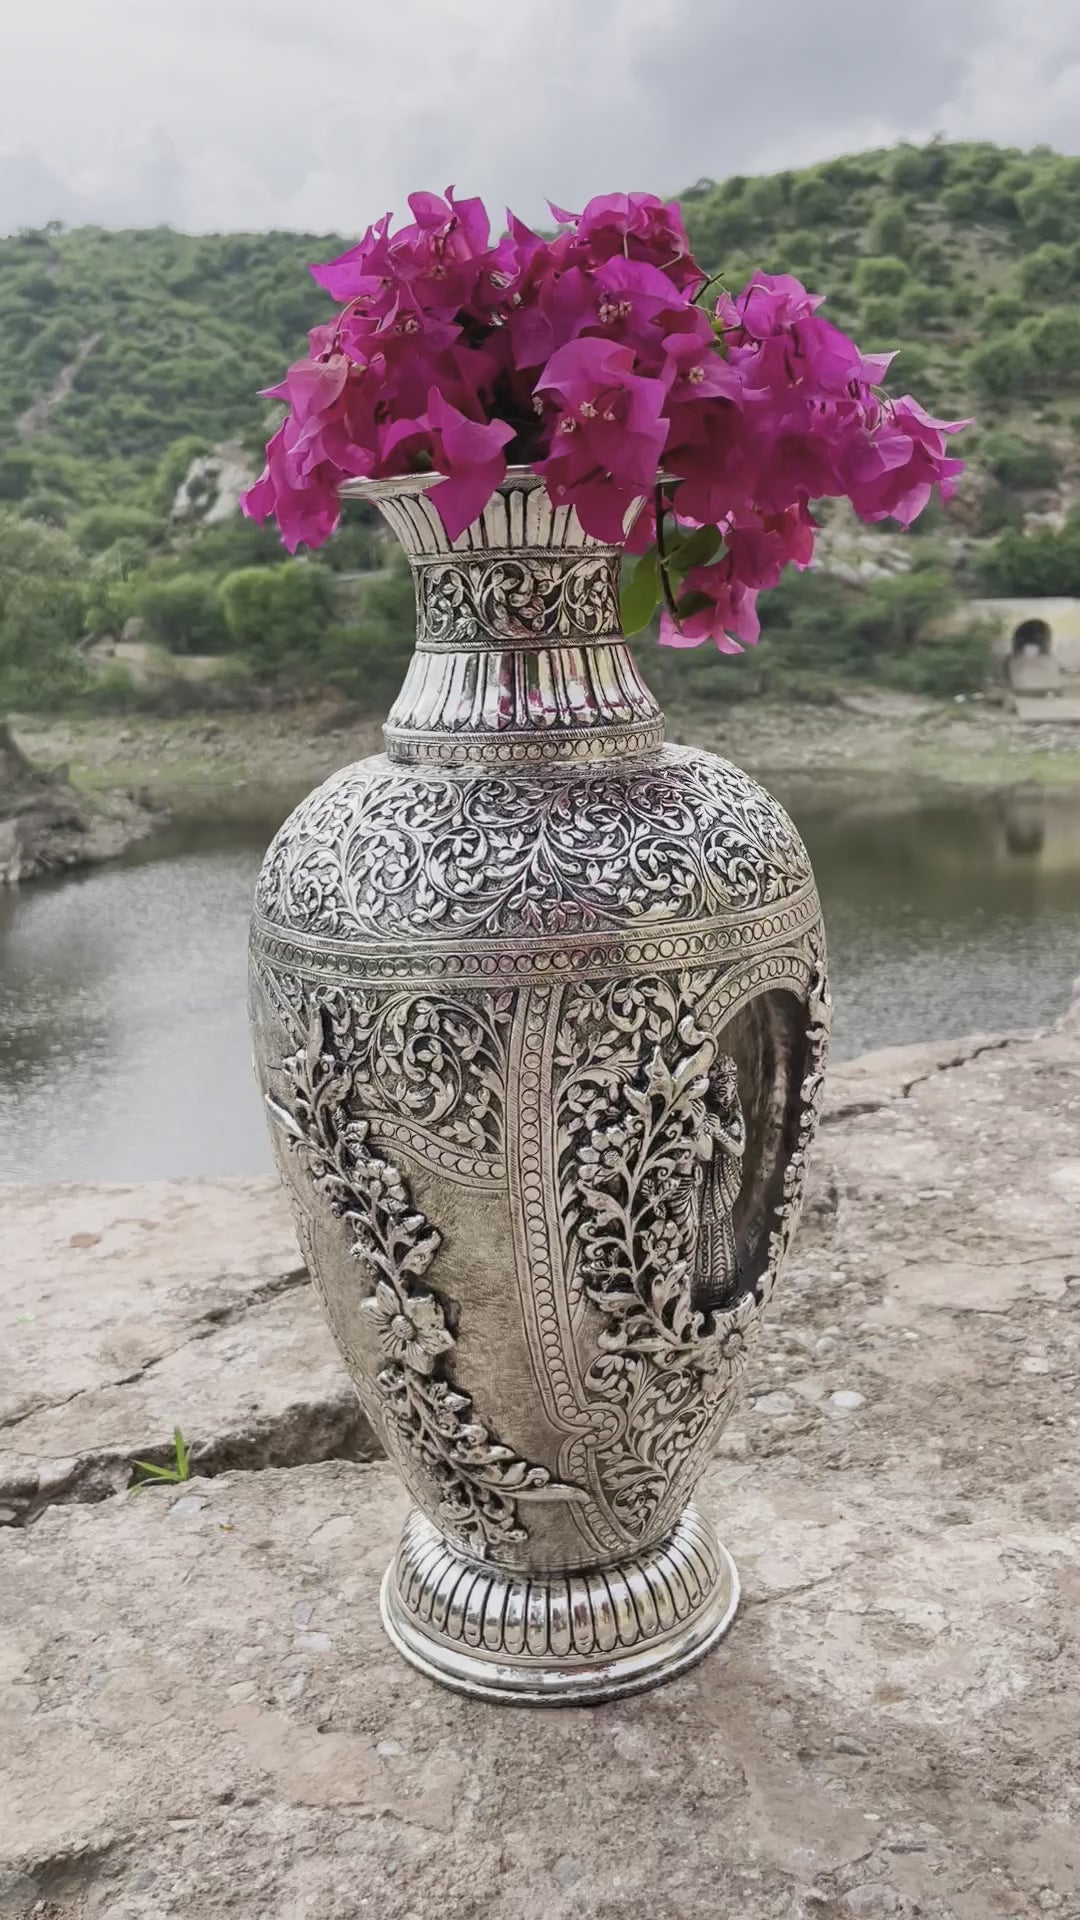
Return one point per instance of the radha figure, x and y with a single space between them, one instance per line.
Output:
721 1145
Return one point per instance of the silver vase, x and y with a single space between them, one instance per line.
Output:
541 1017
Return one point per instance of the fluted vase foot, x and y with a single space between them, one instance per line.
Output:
558 1639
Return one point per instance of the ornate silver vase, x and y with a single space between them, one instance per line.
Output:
541 1018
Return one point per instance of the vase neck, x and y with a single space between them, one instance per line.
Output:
519 652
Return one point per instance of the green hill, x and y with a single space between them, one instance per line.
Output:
969 254
170 336
125 355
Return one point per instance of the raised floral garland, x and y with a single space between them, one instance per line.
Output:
592 359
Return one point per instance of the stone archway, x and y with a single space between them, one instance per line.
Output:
1032 636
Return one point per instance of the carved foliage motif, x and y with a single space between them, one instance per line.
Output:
533 597
437 1065
649 1164
479 1482
378 854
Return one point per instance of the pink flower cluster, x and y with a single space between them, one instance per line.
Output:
589 358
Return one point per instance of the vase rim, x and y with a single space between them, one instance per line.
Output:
397 484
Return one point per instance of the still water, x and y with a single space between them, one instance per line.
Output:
123 1044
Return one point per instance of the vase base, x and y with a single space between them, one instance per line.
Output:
558 1639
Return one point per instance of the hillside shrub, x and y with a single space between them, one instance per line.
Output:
883 275
279 615
184 613
1046 273
1020 463
1043 561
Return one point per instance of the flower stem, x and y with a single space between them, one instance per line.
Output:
660 510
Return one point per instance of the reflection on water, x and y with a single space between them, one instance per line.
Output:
952 917
123 1042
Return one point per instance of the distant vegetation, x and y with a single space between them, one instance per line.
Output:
127 358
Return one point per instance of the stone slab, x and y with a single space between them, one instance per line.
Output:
1058 710
209 1723
890 1073
127 1311
201 1717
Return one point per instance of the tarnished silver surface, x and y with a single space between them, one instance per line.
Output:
579 1637
541 1017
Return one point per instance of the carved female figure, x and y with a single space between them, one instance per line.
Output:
720 1146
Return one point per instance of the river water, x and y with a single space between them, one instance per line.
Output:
123 1044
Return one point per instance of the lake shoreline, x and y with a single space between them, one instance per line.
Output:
124 1051
197 765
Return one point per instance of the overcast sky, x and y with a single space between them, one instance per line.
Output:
216 114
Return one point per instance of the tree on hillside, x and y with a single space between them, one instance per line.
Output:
40 614
184 613
278 613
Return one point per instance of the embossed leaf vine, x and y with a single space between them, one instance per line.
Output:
480 1481
437 1063
518 598
634 1145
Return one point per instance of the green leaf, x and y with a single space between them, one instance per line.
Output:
641 594
156 1473
692 603
696 550
183 1461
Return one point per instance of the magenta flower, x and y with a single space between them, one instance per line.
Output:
769 305
712 449
892 473
471 454
730 620
694 370
760 549
586 357
305 505
312 387
440 257
608 434
640 227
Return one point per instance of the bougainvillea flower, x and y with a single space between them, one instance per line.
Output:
694 371
306 509
563 305
640 227
471 454
730 620
710 449
892 473
362 270
609 432
760 549
769 304
587 356
312 386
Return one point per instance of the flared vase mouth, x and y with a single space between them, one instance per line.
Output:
408 485
517 480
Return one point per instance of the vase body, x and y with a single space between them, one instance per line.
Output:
540 1016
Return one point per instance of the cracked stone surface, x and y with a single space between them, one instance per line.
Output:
201 1717
126 1311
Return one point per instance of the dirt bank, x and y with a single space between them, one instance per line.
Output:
48 825
197 762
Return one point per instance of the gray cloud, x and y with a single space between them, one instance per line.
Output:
242 113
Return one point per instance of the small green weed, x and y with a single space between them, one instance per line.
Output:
171 1476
